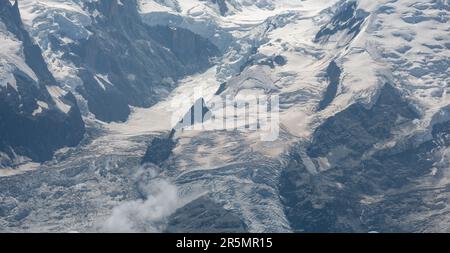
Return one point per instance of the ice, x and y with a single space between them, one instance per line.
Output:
57 94
12 60
390 46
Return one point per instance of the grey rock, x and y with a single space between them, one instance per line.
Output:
363 191
347 18
205 216
21 132
334 77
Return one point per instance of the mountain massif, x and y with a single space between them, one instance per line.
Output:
97 98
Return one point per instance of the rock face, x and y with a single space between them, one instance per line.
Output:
358 128
333 75
205 216
121 61
35 119
359 89
198 113
223 7
350 191
348 18
159 150
192 51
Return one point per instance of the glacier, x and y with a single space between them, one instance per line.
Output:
364 116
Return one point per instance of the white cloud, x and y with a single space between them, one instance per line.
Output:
145 215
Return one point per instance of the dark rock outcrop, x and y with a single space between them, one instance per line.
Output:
221 89
159 150
363 191
198 113
205 216
359 128
22 132
333 75
194 52
126 62
221 4
280 60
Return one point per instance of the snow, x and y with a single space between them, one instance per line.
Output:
286 28
72 22
153 6
421 72
391 47
41 107
410 56
57 94
365 65
12 60
25 167
166 114
101 80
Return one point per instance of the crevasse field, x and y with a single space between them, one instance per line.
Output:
91 92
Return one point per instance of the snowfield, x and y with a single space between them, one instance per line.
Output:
285 48
12 59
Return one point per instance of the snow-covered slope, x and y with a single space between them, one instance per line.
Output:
321 58
101 51
362 144
32 103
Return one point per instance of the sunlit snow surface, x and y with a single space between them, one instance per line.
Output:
12 59
397 43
